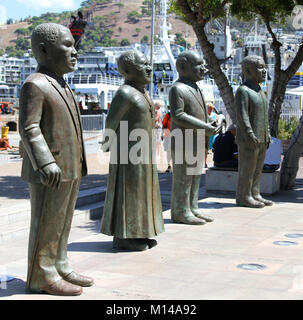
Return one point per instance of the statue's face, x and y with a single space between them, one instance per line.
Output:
194 69
141 72
62 56
258 71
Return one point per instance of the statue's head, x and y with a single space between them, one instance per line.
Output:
253 68
53 48
190 66
135 67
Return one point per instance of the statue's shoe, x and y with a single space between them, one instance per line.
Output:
250 203
189 219
199 214
58 288
151 243
265 201
130 244
79 279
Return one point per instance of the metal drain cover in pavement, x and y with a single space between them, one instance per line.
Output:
294 235
251 266
285 243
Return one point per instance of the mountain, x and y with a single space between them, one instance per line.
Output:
109 22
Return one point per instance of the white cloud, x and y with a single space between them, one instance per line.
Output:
49 4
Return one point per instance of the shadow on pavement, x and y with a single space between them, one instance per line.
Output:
102 246
16 286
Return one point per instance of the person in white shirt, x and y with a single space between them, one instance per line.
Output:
273 156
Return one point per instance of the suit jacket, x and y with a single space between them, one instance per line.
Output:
188 109
50 129
252 113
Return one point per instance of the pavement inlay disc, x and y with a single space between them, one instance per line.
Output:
285 243
251 266
294 235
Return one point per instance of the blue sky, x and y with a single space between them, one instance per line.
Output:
17 9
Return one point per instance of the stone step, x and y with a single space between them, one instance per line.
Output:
15 219
21 212
19 230
92 195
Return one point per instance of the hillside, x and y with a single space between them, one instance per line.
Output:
111 18
7 35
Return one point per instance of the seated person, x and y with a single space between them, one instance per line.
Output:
4 144
225 150
273 155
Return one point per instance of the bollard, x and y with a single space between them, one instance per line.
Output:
4 132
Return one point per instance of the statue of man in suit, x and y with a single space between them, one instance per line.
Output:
54 161
253 137
188 111
132 210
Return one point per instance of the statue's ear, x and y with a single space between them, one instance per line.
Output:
42 48
182 64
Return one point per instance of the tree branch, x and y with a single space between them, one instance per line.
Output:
219 8
296 63
183 4
276 45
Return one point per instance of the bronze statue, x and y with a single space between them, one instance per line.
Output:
132 211
53 162
188 111
253 137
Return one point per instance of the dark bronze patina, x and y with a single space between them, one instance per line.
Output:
253 137
53 162
132 211
188 111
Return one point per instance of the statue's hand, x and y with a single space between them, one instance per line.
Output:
210 130
51 175
253 140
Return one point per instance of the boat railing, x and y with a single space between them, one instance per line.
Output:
95 79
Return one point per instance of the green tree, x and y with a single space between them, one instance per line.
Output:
181 41
134 16
271 12
22 44
124 42
199 13
120 5
144 39
22 32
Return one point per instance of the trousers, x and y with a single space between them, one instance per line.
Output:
251 161
51 218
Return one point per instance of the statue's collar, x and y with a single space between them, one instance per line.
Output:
188 82
44 70
135 85
251 84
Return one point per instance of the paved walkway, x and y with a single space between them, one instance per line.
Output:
190 262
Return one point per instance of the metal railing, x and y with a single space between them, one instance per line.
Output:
287 115
93 122
95 79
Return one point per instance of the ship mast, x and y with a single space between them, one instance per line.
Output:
165 38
